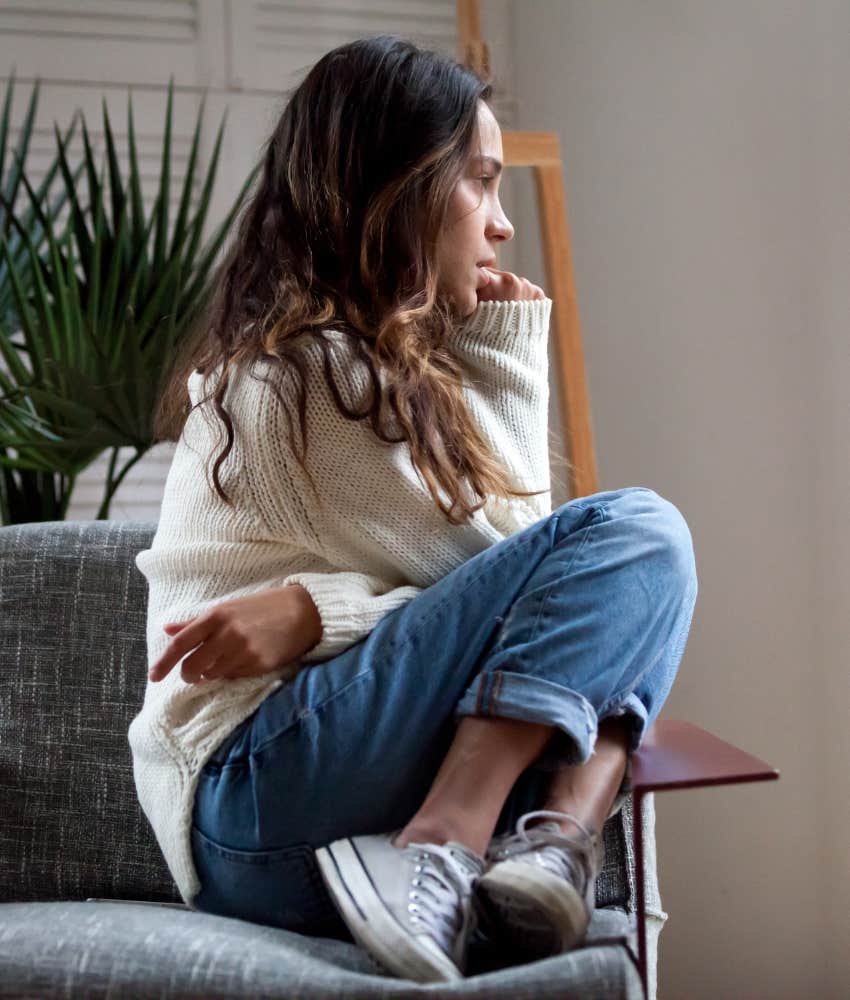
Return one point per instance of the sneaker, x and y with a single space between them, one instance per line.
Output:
410 907
539 891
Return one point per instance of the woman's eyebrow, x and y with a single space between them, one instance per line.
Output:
494 163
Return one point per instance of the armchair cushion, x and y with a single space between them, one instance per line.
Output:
97 950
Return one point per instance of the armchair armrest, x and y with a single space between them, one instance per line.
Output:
677 754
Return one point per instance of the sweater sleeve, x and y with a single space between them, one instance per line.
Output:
352 541
503 348
371 536
350 606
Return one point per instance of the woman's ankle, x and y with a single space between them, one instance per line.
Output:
571 828
432 832
468 793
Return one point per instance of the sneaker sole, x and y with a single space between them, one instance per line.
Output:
527 907
372 925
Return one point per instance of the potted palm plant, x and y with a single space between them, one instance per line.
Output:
92 313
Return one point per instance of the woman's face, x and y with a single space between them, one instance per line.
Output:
476 222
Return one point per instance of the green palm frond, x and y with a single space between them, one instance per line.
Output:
99 308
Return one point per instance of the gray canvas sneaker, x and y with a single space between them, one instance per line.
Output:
410 907
539 891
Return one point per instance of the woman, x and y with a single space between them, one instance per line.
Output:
407 689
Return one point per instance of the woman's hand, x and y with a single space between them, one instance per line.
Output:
507 287
244 637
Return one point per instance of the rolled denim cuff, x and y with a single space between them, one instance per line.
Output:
635 709
510 695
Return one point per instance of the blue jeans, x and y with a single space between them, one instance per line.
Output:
580 616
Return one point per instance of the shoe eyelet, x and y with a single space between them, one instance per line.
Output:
412 907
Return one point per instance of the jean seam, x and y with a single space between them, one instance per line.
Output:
494 691
303 714
605 711
674 649
497 678
260 857
612 703
411 633
599 508
686 624
578 699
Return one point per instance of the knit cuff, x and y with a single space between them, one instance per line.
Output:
518 329
348 607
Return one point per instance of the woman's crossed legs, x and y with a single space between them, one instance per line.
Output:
536 665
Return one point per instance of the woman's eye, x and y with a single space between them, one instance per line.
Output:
486 180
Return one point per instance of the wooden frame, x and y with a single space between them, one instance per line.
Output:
542 153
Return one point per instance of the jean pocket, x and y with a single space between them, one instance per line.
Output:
281 887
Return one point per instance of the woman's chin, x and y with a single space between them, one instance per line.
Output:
470 304
462 305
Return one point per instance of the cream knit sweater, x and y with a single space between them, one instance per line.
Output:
372 543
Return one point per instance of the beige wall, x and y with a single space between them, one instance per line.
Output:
707 166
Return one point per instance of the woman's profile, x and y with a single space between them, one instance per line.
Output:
392 693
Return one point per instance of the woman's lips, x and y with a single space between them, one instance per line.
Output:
485 274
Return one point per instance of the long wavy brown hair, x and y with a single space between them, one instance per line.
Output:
340 234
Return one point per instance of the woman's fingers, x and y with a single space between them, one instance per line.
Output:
172 628
243 637
225 654
187 638
201 662
507 286
221 669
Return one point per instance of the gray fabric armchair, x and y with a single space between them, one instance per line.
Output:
72 645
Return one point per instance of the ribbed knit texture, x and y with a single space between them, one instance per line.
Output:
369 542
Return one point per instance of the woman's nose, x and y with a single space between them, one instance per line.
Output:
501 228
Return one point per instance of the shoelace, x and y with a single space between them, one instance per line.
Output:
443 876
567 857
